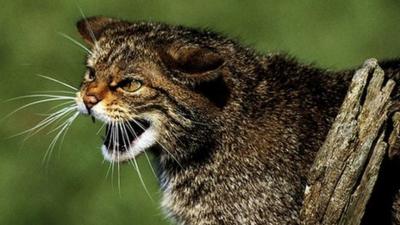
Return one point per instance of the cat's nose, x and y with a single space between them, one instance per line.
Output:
94 94
90 100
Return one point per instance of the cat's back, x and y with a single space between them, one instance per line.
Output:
271 133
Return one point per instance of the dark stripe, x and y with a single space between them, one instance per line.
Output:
174 101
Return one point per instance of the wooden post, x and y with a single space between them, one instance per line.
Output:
347 166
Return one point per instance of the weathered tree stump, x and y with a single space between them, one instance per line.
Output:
347 166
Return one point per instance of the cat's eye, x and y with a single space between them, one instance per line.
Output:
90 75
130 85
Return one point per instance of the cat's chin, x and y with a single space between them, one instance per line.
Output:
140 144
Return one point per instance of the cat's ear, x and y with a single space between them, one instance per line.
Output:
199 66
191 59
91 28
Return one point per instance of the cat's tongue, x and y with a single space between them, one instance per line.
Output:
120 136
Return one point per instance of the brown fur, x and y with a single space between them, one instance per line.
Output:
239 130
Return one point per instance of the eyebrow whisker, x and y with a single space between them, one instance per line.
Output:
92 36
75 42
57 81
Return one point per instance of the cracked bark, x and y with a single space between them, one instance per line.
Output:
346 168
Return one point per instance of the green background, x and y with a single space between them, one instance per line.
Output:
73 188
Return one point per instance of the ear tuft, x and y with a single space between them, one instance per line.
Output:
91 28
191 59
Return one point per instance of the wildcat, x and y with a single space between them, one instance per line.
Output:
233 132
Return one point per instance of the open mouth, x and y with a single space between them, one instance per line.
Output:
121 137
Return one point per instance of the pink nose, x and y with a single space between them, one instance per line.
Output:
94 94
90 100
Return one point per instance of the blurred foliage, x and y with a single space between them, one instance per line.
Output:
73 188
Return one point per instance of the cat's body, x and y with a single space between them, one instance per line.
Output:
234 132
266 141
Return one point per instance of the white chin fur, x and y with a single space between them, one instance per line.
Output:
143 142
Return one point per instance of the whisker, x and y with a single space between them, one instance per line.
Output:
62 104
124 130
101 128
136 166
114 136
52 143
110 132
92 36
66 36
116 145
108 147
57 81
108 170
39 95
118 166
63 136
147 157
149 162
55 91
31 104
56 128
113 152
65 128
46 122
111 135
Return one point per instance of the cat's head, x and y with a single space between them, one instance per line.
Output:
153 85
